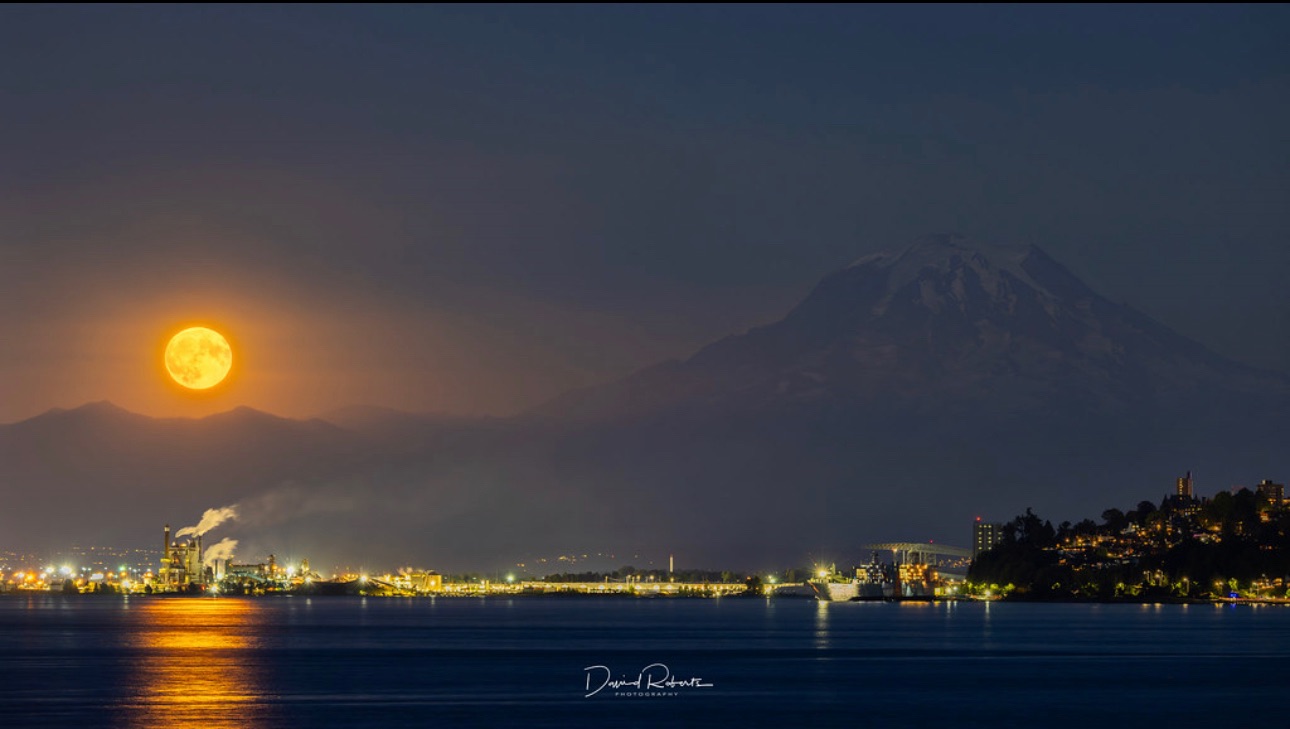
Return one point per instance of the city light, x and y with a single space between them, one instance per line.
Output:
1084 554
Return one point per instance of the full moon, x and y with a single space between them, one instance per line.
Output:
198 358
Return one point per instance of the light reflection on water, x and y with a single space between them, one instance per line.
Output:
821 625
284 662
196 665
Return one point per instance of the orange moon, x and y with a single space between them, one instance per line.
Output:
198 358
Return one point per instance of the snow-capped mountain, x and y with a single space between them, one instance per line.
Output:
941 321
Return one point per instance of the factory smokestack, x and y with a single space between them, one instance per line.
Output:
223 549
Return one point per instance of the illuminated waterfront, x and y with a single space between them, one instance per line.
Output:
499 661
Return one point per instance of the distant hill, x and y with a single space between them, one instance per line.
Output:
908 393
95 473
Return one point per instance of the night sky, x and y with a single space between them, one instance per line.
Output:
471 210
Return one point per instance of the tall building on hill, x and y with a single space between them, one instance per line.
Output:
1274 492
984 536
1184 486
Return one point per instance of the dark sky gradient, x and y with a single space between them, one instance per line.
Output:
473 209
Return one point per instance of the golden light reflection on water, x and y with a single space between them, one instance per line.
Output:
197 664
822 624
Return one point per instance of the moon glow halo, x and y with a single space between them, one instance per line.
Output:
198 358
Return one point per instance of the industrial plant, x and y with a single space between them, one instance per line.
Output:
185 567
181 565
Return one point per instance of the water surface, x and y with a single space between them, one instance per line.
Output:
355 662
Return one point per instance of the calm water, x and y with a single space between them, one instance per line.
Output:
298 662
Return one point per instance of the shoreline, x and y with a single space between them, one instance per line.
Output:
625 596
1149 601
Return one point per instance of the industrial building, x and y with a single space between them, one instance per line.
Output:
421 582
181 565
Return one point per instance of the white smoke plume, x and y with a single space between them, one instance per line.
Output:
290 501
223 549
286 502
210 519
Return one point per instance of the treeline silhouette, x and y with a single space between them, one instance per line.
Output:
1233 542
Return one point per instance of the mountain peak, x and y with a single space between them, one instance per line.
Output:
99 406
960 262
941 247
96 409
245 416
98 412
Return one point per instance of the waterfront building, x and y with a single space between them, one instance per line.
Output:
422 581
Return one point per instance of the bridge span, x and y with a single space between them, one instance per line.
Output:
920 552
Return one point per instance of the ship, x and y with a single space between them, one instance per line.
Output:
830 585
835 591
876 581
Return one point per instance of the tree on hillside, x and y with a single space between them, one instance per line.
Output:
1115 520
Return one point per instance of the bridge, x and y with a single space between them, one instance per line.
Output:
640 589
919 552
